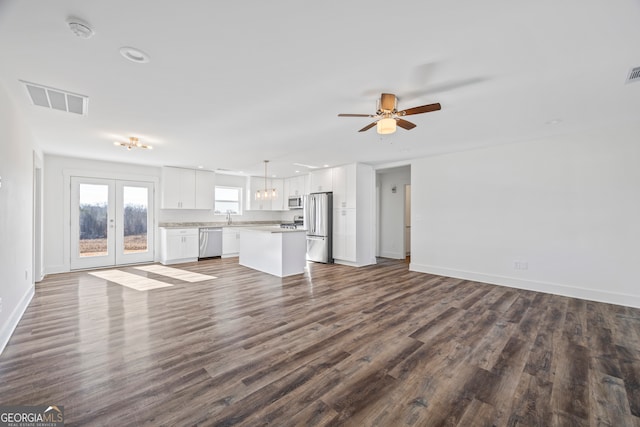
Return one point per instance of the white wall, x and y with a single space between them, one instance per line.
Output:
567 208
16 216
391 214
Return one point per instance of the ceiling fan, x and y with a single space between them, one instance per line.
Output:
387 115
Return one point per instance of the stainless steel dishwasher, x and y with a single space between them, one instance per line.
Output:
210 242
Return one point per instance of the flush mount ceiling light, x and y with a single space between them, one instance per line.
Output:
80 28
134 55
133 143
267 193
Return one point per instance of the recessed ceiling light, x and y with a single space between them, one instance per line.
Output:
297 171
326 166
134 55
200 167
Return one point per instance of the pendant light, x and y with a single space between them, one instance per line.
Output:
266 193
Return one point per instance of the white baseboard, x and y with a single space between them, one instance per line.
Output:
55 269
355 264
532 285
14 318
392 255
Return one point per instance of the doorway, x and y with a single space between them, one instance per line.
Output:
394 211
111 222
407 220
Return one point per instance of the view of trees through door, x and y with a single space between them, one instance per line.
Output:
112 222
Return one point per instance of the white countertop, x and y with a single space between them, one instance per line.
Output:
238 224
273 229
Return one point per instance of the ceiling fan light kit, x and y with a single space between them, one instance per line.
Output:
388 116
386 126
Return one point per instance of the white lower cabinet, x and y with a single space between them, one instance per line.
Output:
230 242
344 235
178 245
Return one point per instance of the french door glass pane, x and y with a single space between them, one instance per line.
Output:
135 201
94 204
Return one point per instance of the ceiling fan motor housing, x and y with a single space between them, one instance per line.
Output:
388 102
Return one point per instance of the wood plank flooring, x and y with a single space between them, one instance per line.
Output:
373 346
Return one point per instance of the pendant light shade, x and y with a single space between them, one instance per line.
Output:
266 193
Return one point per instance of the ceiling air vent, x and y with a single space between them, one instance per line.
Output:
57 99
634 75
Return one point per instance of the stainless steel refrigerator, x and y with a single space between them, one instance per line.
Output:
318 221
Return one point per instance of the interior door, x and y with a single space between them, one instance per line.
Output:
111 222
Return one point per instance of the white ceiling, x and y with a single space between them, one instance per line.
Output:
233 83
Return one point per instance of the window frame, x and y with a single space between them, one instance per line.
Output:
216 200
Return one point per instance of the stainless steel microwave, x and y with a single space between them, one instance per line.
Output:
295 202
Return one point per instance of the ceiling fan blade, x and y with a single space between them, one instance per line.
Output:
405 124
367 127
419 110
441 87
356 115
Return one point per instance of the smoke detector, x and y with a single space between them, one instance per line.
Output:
80 28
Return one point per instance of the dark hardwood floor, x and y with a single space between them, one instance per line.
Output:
374 346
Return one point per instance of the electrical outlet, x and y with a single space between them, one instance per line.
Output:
520 265
26 275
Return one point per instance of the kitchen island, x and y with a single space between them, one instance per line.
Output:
278 251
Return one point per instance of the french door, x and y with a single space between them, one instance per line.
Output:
111 222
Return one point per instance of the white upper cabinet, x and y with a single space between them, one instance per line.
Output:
321 180
296 185
187 188
205 189
178 188
300 185
344 186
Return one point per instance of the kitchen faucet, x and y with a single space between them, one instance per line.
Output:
228 217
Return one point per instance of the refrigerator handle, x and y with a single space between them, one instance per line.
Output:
312 214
